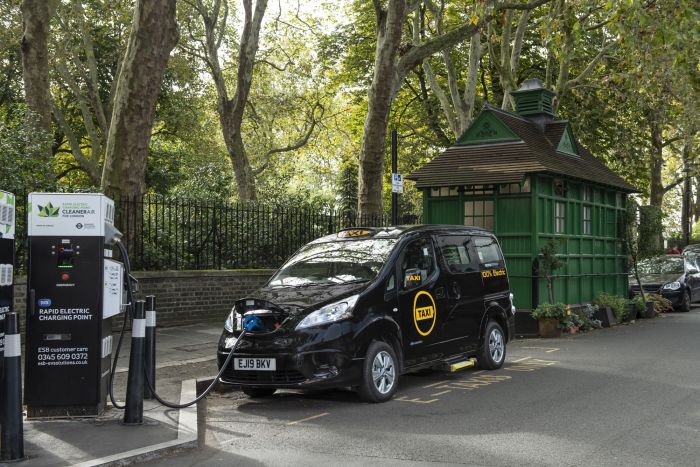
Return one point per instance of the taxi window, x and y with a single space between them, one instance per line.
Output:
418 255
488 252
455 250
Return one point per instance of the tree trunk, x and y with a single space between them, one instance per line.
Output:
231 110
154 33
656 162
36 15
380 97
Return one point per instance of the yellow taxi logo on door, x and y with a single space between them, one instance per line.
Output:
424 313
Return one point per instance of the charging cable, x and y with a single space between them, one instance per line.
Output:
172 405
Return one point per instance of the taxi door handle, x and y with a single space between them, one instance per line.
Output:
440 292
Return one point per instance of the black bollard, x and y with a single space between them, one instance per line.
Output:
133 413
12 431
150 345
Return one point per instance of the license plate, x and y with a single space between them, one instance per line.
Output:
256 364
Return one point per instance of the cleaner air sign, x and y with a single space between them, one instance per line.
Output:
69 214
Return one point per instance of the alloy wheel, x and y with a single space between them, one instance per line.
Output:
383 372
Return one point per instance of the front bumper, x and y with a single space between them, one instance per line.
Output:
674 296
303 360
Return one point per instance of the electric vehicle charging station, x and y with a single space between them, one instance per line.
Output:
74 288
7 261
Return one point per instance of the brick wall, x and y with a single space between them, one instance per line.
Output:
184 297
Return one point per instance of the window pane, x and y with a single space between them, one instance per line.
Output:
488 208
418 255
444 191
478 208
468 220
468 208
435 192
526 186
454 250
453 191
487 250
488 223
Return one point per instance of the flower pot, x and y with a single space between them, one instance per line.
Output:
649 311
606 316
630 312
549 327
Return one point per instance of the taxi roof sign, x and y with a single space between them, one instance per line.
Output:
348 233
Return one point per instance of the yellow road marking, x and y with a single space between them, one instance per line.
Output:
546 349
521 359
435 384
308 418
477 372
417 400
441 393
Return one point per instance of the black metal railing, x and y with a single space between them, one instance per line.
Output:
177 233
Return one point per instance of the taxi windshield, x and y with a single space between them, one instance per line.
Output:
334 263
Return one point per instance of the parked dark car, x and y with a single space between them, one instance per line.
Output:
691 253
674 277
363 306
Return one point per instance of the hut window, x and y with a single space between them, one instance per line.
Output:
587 195
514 188
559 217
587 221
479 213
479 189
443 191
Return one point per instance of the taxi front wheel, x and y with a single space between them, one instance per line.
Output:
493 352
380 373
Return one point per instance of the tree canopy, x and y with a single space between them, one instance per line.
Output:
292 102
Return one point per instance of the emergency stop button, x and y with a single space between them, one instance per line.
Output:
65 277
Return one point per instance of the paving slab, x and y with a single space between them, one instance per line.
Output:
184 354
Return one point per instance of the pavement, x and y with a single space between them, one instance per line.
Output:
185 354
627 395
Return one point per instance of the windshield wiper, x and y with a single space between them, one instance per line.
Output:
354 281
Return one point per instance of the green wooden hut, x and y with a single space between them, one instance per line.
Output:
524 176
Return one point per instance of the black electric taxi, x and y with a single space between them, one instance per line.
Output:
674 277
362 307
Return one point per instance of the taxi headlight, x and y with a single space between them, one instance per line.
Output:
330 313
675 285
233 322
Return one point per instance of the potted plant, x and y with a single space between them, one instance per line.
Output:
611 309
658 304
551 318
636 307
587 317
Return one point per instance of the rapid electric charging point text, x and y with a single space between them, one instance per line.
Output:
74 288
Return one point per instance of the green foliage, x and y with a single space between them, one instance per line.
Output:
582 318
18 140
615 302
638 303
661 304
556 311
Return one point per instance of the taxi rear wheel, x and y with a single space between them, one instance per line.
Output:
259 392
380 373
493 352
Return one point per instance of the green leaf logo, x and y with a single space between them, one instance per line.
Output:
48 210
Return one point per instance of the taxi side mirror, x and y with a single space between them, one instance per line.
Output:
412 278
692 270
